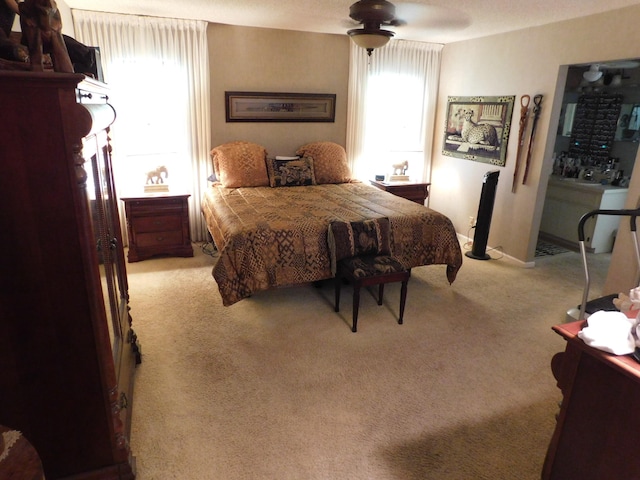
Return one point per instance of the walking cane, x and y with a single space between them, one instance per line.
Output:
537 101
524 110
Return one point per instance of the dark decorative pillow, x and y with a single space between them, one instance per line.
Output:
290 172
353 239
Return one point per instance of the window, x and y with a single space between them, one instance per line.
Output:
394 130
392 104
152 119
158 73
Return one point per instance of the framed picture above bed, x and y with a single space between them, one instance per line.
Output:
477 128
280 107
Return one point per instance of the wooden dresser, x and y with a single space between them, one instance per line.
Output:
158 224
596 433
67 350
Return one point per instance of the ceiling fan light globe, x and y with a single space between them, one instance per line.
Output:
370 39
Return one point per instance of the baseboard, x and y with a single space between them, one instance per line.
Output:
464 240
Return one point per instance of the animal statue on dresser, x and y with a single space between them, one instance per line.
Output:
41 26
400 168
481 134
158 175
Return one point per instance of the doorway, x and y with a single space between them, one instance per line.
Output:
592 164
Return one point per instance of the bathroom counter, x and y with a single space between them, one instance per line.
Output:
582 185
568 199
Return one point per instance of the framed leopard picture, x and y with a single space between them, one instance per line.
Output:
477 128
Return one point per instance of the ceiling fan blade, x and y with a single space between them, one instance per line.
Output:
396 22
349 23
421 16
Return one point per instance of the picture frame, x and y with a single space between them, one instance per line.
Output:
477 128
280 107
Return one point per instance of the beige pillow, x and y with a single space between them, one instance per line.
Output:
329 161
240 164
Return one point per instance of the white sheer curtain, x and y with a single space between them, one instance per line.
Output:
158 73
392 104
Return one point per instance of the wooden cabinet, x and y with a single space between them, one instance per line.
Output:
158 225
67 349
416 192
565 203
597 427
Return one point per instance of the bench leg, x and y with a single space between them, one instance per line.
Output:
356 306
380 293
338 279
403 299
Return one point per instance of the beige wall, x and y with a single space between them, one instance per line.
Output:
267 60
530 62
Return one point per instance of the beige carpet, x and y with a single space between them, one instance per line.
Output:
277 386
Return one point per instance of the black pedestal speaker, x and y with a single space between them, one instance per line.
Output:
483 220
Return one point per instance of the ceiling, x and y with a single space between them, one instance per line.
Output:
438 21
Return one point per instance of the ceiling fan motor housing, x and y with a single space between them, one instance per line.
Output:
373 13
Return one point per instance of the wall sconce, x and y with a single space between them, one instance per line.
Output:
593 74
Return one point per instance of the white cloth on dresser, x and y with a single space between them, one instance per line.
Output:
612 332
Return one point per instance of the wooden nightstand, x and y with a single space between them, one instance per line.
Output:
158 225
416 192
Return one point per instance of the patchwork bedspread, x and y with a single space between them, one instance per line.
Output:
271 237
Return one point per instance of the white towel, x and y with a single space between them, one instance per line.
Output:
609 331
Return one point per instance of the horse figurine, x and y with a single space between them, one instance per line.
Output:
156 176
41 26
400 168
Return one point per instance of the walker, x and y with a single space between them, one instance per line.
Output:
586 308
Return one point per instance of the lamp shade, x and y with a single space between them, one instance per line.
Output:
370 39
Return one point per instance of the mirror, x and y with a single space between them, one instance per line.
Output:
566 119
628 128
622 77
594 125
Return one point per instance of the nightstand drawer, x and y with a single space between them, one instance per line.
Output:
154 239
163 206
157 223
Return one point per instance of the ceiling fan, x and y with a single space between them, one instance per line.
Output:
372 15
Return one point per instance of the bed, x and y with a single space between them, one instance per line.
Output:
270 228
